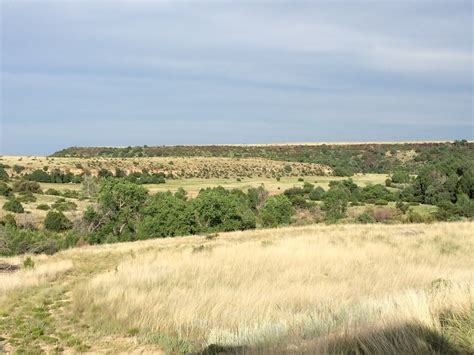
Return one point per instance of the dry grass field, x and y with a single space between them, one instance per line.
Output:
391 289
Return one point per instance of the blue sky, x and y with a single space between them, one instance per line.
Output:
134 73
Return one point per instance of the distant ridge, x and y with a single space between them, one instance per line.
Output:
369 157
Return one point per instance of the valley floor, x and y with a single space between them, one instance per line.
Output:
365 288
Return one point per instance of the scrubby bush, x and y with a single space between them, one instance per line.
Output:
317 194
297 196
26 197
43 207
56 221
402 207
64 205
277 210
5 190
181 194
28 263
9 220
70 193
376 193
3 174
27 186
365 218
13 205
16 241
308 187
39 176
342 171
18 169
52 192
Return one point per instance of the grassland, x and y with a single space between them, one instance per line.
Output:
394 289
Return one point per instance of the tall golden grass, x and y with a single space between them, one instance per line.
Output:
377 288
24 278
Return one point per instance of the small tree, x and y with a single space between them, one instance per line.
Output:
276 211
335 203
56 222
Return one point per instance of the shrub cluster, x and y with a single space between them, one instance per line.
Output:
55 176
126 212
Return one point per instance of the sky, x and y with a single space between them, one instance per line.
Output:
119 73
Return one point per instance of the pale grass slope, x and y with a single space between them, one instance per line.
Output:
377 288
32 277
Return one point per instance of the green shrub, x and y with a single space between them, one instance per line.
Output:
18 168
28 263
9 220
3 174
5 190
317 194
335 203
376 193
39 176
342 171
43 207
52 192
165 215
402 207
56 222
365 218
217 209
308 187
70 193
64 205
277 210
400 177
16 241
14 206
26 197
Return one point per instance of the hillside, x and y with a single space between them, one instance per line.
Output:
382 288
344 158
175 166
